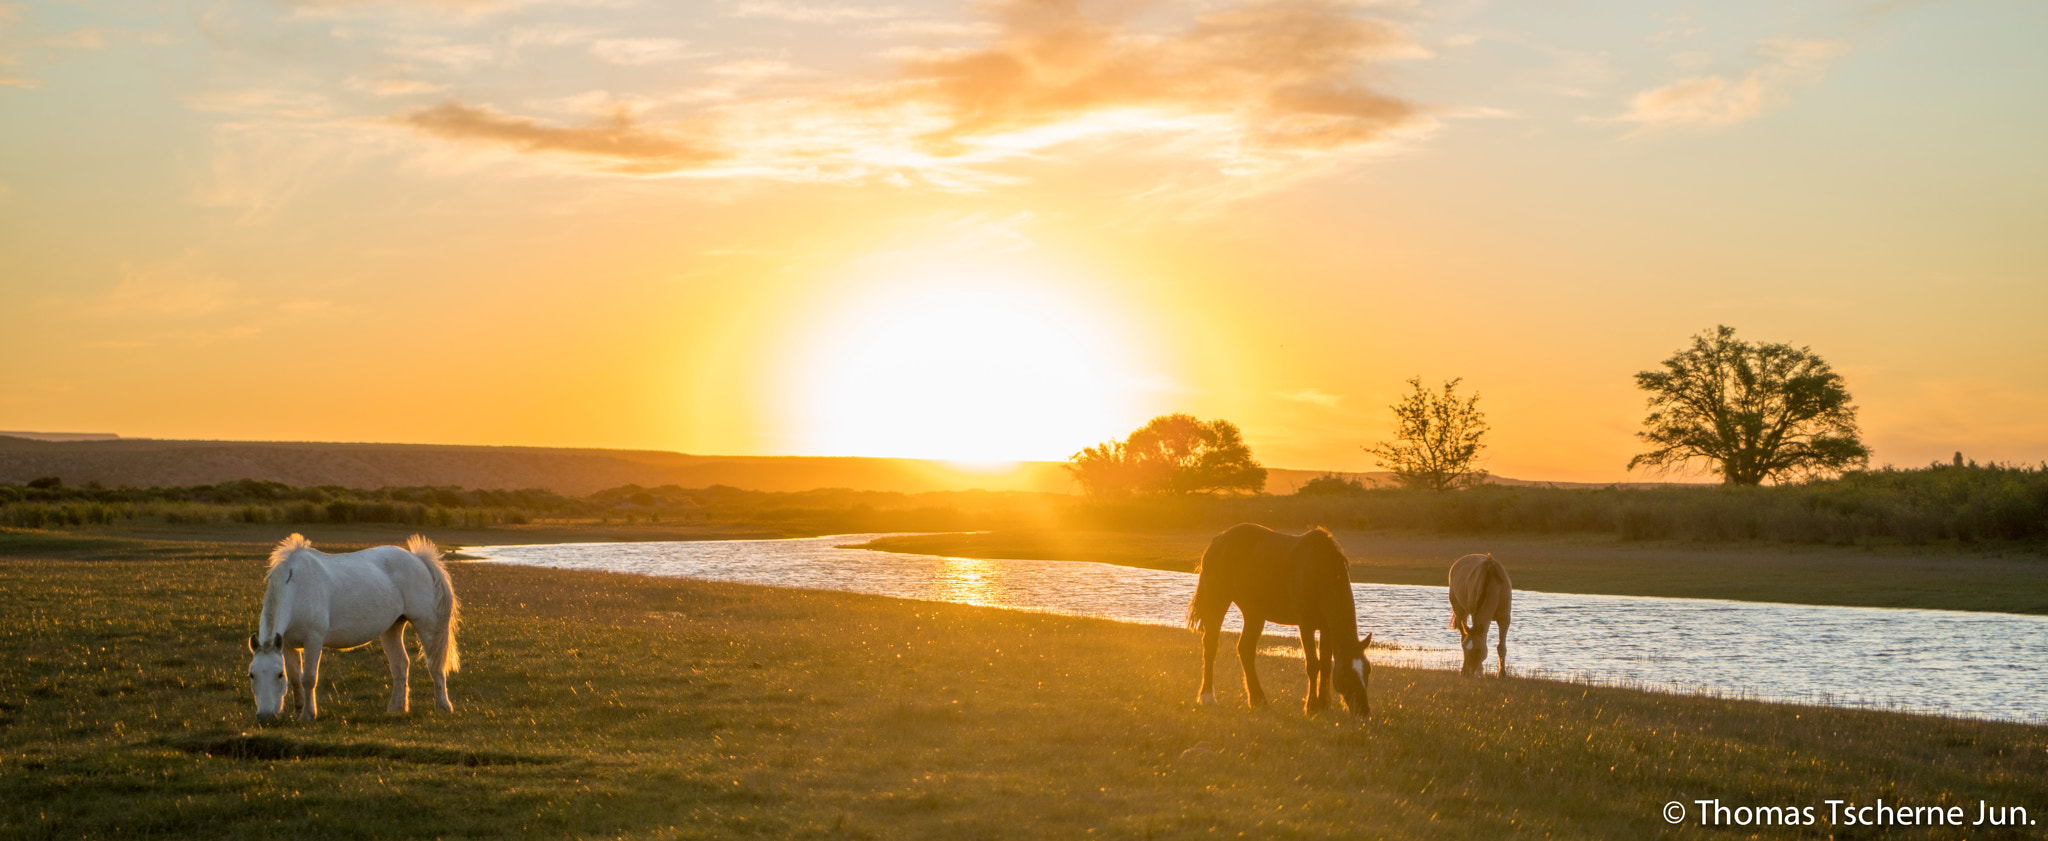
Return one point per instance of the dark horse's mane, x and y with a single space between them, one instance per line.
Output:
1321 537
1331 562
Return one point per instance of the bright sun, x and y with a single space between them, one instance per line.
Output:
968 366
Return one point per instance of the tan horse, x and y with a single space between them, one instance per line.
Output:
1481 594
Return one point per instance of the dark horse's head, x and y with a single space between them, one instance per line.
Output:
1349 674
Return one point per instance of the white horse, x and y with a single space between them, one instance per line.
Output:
313 600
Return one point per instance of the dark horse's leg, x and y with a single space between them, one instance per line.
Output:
1248 654
1210 632
1318 673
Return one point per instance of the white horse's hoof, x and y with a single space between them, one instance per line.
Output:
1206 699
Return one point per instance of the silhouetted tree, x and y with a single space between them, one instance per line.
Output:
1171 454
1103 471
1436 439
1753 411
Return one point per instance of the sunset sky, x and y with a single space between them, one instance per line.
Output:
1004 230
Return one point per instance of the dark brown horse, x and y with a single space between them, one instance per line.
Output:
1289 580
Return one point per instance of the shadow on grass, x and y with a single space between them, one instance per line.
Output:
261 748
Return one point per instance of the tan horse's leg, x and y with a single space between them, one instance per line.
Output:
393 641
1502 648
1207 696
1248 654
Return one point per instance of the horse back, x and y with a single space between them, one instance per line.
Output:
369 591
1480 588
1283 578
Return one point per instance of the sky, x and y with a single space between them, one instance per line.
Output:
1012 229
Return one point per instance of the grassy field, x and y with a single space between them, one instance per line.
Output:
1948 579
618 706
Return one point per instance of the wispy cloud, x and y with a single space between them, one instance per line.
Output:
176 288
10 15
1252 81
1712 101
1282 74
1310 396
637 51
619 144
811 12
391 84
89 38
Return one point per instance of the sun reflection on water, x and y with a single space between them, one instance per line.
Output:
970 581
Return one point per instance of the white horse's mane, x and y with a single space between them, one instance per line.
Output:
286 548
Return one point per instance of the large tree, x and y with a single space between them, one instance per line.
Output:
1436 442
1171 454
1751 411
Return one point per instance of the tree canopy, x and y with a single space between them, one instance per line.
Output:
1752 411
1171 454
1436 442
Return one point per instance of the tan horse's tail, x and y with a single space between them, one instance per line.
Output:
446 607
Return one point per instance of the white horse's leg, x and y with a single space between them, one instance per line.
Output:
437 663
401 667
291 676
309 704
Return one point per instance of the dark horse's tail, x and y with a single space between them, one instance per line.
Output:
1209 602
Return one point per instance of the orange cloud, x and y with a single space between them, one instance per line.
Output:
1713 101
1288 73
622 145
1259 81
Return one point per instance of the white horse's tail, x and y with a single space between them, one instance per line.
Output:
445 603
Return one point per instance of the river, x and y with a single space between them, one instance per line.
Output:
1977 665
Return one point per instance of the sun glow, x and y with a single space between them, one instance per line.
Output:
965 364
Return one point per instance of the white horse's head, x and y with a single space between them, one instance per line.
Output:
1349 675
266 675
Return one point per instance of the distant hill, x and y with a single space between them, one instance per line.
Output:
143 462
62 436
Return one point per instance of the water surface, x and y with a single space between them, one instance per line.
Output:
1980 665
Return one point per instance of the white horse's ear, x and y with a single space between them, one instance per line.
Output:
252 643
278 642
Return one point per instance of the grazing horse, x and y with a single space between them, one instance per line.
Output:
1289 580
1480 595
313 600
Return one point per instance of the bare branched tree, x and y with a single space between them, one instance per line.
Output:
1436 442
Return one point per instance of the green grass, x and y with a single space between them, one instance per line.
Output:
619 706
1894 577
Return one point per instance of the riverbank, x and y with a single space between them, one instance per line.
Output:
1842 576
602 704
1933 578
